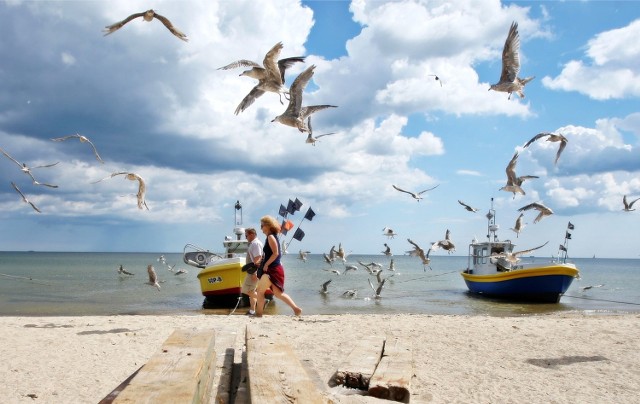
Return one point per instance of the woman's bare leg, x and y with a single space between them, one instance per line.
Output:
287 299
263 284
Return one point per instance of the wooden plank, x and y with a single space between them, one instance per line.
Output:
181 371
392 378
275 372
224 375
361 363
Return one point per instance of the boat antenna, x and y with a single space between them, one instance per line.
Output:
491 224
564 247
239 231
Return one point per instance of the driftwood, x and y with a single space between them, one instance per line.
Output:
392 378
360 364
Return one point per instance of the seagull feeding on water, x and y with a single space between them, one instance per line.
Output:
509 81
24 198
551 137
147 16
628 205
270 75
142 187
296 115
27 170
416 195
544 211
153 277
467 207
83 139
123 271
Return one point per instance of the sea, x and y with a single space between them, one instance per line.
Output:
88 284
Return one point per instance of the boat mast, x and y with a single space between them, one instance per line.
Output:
238 222
492 228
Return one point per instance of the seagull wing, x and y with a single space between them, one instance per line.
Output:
248 100
511 170
239 63
295 92
24 198
11 158
308 110
529 250
170 27
632 202
426 190
563 144
95 151
510 56
536 137
60 139
284 64
114 27
270 63
402 190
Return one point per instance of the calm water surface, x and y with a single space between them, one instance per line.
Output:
48 284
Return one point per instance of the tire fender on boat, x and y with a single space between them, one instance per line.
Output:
201 258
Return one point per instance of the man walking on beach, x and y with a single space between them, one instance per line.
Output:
254 255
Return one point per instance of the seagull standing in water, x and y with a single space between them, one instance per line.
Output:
296 115
142 187
544 211
147 16
24 198
416 195
628 205
27 170
153 277
509 81
270 75
551 137
83 139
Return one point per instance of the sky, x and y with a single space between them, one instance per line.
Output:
160 107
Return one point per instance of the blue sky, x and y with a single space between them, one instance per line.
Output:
158 106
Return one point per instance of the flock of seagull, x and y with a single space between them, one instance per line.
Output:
151 272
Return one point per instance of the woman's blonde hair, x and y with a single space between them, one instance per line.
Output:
271 223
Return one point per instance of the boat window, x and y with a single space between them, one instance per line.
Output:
480 256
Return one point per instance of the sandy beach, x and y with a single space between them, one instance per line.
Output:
535 359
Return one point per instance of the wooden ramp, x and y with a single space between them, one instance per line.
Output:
180 372
275 372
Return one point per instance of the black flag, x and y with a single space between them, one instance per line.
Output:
310 214
290 207
297 204
563 248
567 236
299 234
283 211
570 226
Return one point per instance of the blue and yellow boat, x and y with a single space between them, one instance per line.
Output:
490 273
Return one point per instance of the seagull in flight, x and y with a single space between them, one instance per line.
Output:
270 75
436 78
513 256
509 81
445 244
296 115
153 277
419 252
27 170
147 16
387 250
24 198
467 207
543 210
519 225
142 187
324 288
551 137
514 183
416 195
388 232
628 205
302 255
83 139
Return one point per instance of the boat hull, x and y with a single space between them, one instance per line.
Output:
222 280
540 284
